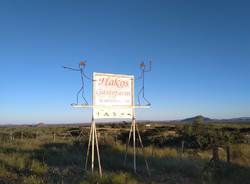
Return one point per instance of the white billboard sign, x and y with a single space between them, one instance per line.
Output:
112 96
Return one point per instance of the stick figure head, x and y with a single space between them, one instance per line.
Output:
82 64
142 65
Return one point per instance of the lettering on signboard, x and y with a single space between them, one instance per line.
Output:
115 113
114 82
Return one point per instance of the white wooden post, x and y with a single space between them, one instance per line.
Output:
134 145
93 146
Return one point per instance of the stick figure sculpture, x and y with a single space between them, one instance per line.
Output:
80 69
143 71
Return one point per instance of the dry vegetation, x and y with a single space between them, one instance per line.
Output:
34 156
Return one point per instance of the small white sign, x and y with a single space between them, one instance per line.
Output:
112 96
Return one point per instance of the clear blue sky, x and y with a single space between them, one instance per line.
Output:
200 49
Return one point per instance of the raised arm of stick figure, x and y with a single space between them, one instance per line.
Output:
150 66
142 90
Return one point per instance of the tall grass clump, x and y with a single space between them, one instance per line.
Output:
32 180
109 178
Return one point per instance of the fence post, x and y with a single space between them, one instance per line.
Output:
215 153
228 154
115 139
11 135
54 137
182 147
22 135
152 151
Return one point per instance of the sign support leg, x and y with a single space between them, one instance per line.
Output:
98 154
128 141
134 129
93 146
87 155
140 140
134 144
93 139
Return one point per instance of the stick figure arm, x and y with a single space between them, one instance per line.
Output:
150 64
140 77
87 77
69 68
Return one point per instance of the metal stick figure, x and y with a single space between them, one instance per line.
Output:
80 69
143 71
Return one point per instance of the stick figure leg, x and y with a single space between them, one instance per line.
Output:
84 97
77 95
148 103
138 96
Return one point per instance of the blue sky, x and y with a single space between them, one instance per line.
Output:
200 51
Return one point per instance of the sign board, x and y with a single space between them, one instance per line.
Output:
113 96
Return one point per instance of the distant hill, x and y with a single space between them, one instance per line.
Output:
241 119
40 124
236 120
209 120
191 120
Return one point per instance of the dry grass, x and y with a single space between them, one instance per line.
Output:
44 161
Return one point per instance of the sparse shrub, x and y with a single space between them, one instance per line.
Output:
44 161
38 168
32 180
20 162
110 178
122 178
